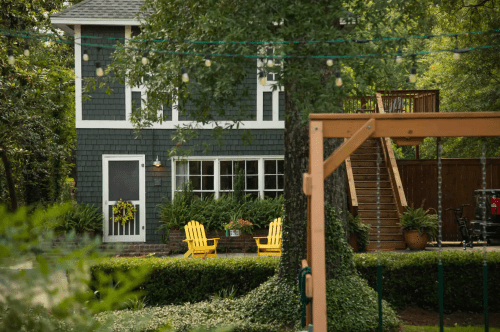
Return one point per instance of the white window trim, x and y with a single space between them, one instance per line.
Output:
217 159
78 74
260 98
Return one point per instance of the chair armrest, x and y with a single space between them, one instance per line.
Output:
260 237
215 238
188 240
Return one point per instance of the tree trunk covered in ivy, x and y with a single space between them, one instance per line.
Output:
296 163
10 180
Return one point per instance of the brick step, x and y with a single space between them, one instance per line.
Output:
370 206
372 184
373 191
386 237
370 177
373 213
373 199
366 163
386 245
383 221
369 170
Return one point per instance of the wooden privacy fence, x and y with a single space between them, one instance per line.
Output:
460 178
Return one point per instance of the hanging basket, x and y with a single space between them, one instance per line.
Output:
414 241
123 212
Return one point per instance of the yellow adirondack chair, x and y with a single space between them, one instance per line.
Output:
273 245
197 241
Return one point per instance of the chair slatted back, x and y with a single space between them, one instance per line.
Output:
274 236
196 232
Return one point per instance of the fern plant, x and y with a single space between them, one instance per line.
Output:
420 220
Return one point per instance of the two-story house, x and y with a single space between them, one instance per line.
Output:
113 164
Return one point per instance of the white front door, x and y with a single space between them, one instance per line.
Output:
124 178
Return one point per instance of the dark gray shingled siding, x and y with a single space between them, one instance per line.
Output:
281 108
102 106
93 143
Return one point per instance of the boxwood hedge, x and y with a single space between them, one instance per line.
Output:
175 281
412 278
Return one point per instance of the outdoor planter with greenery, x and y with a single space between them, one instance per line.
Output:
418 225
80 218
360 231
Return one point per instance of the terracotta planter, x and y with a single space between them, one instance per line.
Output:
353 241
415 241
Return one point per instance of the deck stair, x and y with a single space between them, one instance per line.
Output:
362 175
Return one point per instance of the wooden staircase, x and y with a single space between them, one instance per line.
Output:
362 177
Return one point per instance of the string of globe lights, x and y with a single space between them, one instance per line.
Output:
265 61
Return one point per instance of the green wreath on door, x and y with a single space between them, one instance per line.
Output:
123 211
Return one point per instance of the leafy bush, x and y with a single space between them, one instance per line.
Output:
413 279
361 231
213 213
352 306
80 218
420 220
175 281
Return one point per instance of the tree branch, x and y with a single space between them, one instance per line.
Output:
479 4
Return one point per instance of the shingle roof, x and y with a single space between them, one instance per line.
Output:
103 9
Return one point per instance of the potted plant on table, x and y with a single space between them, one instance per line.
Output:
237 227
419 227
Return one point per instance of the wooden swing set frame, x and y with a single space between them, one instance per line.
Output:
401 127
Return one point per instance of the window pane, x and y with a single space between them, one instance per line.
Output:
240 165
208 183
252 167
123 180
281 167
270 166
180 181
207 195
196 181
226 167
253 194
280 181
181 168
194 168
252 182
270 182
226 183
208 167
271 194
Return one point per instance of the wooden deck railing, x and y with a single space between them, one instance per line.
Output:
392 167
397 101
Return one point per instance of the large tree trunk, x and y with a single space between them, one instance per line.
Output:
296 163
10 180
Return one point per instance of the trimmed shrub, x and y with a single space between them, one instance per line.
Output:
352 306
175 281
413 279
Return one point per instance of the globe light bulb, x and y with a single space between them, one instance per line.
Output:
185 76
338 79
329 62
145 58
413 78
26 50
11 60
456 54
208 61
399 59
262 78
98 69
85 56
270 63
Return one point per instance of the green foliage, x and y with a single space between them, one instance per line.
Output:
413 279
80 218
192 280
352 306
214 213
420 220
45 288
123 212
356 226
409 328
339 254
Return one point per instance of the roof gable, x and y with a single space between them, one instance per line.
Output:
102 9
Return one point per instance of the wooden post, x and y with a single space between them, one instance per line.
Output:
417 152
318 270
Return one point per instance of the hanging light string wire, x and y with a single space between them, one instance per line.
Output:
371 55
9 31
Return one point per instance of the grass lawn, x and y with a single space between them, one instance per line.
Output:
409 328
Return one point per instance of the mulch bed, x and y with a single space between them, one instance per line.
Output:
413 315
